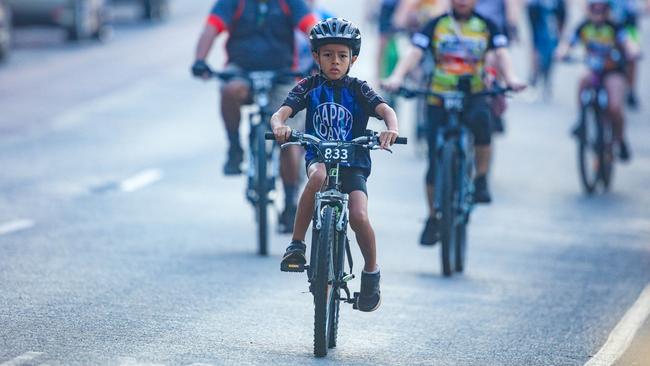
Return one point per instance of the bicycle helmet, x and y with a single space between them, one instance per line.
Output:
335 31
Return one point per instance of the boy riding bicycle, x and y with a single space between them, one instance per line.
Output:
338 107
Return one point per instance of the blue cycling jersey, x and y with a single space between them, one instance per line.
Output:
260 32
336 110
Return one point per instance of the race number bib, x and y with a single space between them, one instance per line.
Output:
334 153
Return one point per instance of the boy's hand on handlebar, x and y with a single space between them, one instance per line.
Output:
387 138
282 134
200 69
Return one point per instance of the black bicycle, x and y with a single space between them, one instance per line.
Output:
454 172
263 157
330 245
594 133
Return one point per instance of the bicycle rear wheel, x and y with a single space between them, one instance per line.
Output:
322 284
590 148
262 190
447 206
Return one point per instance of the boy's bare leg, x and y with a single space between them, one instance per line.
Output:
361 225
317 175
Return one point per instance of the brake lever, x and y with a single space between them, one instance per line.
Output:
287 144
375 146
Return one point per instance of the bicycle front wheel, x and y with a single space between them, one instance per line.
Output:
322 290
261 190
447 207
590 148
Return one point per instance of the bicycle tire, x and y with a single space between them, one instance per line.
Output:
262 190
607 155
339 261
448 226
321 284
465 208
589 148
461 245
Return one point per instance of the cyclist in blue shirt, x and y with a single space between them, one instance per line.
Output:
338 107
260 38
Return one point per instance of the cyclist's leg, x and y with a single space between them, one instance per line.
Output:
583 83
233 95
290 161
385 34
295 252
316 177
498 104
615 84
631 65
477 117
359 221
533 18
354 183
435 115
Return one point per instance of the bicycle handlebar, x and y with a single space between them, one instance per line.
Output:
412 93
307 139
274 75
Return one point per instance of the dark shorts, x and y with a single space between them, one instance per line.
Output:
477 117
352 179
386 18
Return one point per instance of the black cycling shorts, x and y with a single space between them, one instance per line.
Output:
352 179
477 117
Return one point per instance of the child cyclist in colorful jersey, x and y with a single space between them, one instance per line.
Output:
338 107
610 43
459 41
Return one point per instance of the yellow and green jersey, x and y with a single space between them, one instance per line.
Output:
459 48
603 41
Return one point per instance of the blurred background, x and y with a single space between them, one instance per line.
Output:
122 243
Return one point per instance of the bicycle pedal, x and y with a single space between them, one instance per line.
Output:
354 301
293 267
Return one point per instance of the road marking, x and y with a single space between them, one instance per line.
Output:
13 226
621 337
141 180
130 361
22 359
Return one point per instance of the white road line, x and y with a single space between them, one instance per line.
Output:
15 225
22 359
621 337
141 180
130 361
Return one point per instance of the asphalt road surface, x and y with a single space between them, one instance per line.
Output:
121 243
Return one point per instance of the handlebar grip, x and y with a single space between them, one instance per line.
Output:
269 136
401 140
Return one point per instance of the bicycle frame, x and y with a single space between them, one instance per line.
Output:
455 133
